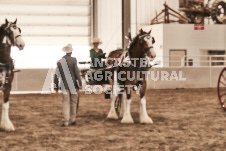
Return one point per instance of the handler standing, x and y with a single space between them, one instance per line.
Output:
67 70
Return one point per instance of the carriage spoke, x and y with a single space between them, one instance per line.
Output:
223 102
223 83
223 94
223 76
221 88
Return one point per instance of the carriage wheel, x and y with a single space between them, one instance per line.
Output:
199 19
118 103
195 18
221 88
218 11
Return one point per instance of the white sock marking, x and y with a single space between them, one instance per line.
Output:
5 121
144 118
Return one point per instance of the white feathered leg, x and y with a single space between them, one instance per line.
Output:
144 118
112 113
5 121
123 105
127 118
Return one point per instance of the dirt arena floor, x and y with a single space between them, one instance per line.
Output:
184 119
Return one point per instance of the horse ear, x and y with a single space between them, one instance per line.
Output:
15 21
150 31
6 21
141 31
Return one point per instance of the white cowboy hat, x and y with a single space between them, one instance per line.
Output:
96 40
67 49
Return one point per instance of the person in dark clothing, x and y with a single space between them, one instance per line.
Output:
67 70
96 54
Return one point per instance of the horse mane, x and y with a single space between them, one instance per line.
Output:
134 41
1 29
1 32
116 53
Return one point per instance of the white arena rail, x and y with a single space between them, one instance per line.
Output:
204 76
197 60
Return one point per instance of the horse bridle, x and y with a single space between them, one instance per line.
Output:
8 32
126 53
141 38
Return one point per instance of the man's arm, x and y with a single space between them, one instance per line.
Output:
77 74
92 56
101 54
56 79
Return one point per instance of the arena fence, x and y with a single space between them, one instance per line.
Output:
192 60
40 80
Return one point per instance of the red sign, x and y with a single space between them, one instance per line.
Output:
199 26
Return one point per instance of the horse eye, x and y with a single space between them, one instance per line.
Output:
14 27
148 37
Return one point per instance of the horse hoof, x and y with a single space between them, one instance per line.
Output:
112 115
8 126
127 119
146 120
8 129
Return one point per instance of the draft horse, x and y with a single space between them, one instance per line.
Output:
10 35
140 49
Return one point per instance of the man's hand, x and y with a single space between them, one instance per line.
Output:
103 56
80 87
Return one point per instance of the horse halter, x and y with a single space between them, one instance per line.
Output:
128 59
148 36
8 32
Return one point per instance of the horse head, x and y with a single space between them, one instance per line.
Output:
14 34
147 41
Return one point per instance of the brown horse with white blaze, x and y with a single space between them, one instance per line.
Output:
140 50
10 35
